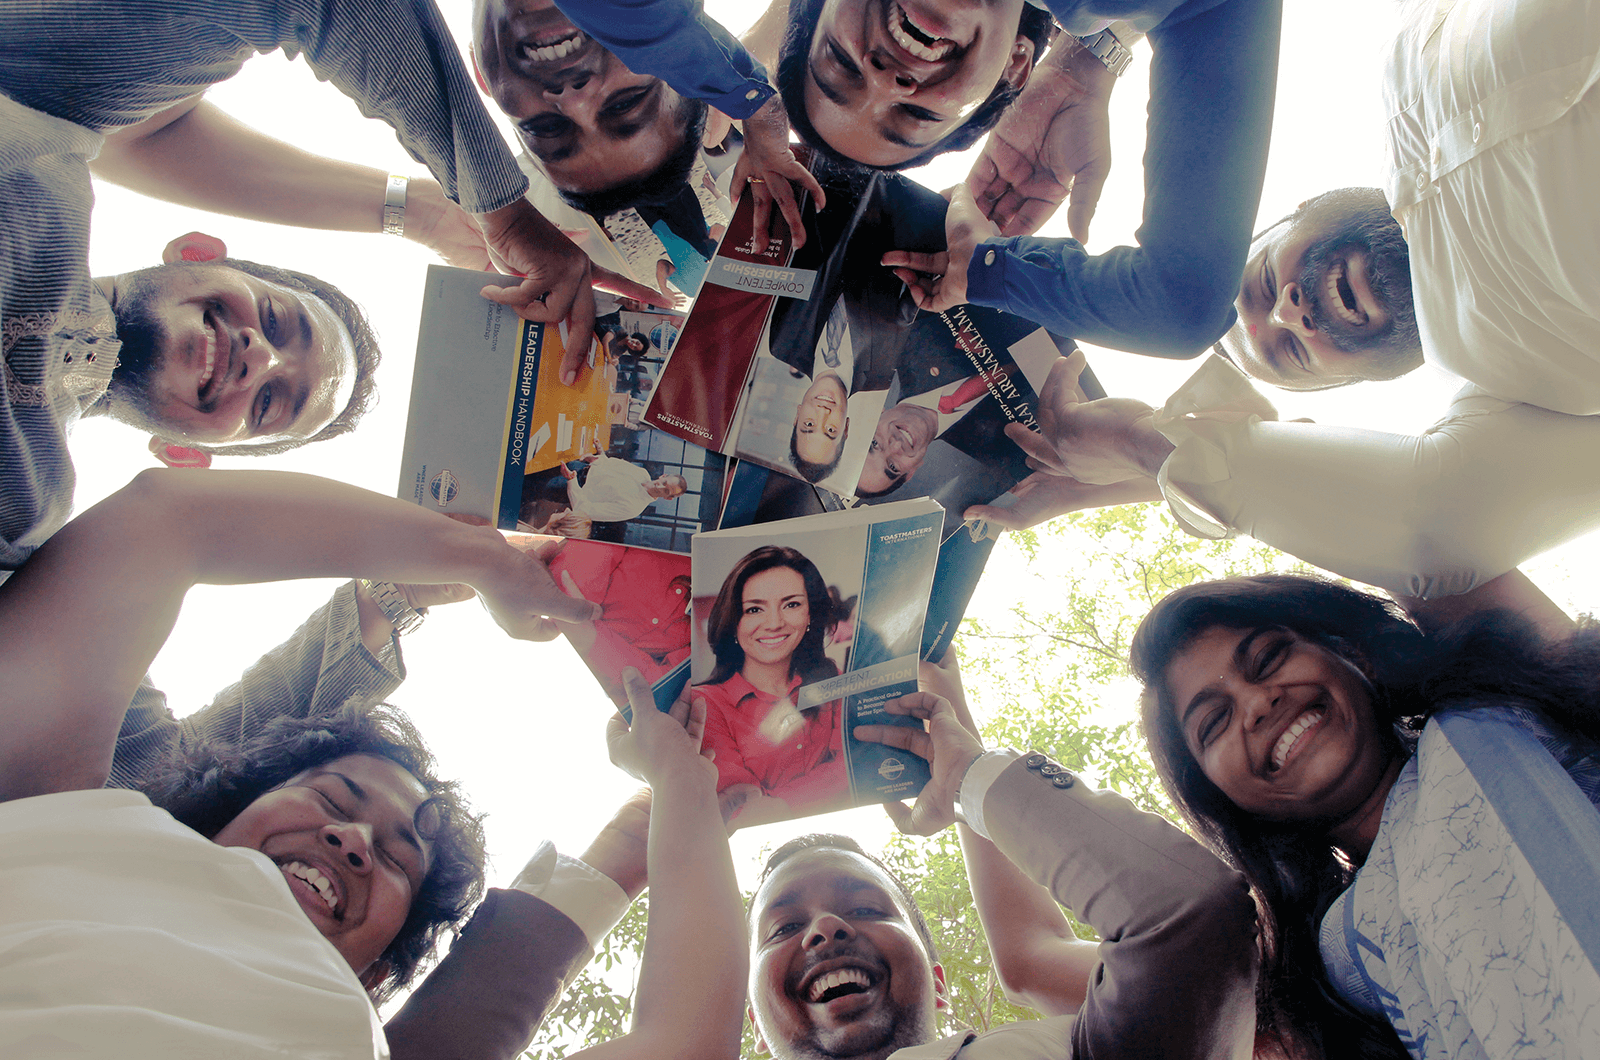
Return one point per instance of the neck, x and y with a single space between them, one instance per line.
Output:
1356 833
771 678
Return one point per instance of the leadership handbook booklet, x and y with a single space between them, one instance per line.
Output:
802 630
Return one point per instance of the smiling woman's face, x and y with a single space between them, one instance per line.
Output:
344 836
1284 727
775 612
887 79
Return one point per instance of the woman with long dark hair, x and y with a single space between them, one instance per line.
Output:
769 630
1416 813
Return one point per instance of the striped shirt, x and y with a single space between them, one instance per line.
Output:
112 64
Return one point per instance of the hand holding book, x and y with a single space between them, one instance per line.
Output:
947 746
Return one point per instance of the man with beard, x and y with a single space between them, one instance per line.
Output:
843 966
1332 295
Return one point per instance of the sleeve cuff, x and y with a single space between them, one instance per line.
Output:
584 895
744 100
983 772
986 273
1214 402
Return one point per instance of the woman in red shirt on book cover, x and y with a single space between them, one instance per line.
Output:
768 629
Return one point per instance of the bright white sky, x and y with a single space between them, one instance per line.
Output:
522 724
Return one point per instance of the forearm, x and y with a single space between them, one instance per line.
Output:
1420 515
237 527
206 159
1040 961
696 922
1177 974
621 850
1212 80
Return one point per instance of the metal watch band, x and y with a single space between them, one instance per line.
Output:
402 616
1109 50
394 206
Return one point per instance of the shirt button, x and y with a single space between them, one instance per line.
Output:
988 258
1422 181
1035 760
752 94
679 590
655 622
1477 131
1062 780
934 370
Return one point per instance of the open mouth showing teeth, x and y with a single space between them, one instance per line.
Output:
551 50
1338 294
1302 725
311 876
837 984
916 40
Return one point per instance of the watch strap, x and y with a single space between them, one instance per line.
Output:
1110 50
394 206
401 615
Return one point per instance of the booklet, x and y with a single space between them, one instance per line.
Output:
955 472
817 363
493 433
802 630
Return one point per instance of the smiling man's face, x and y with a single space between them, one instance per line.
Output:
837 967
887 79
592 123
345 837
1325 299
214 355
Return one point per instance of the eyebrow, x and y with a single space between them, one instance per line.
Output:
1237 659
405 833
642 113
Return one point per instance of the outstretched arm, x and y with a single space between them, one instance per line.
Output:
196 155
1211 90
116 576
1177 970
1040 960
696 918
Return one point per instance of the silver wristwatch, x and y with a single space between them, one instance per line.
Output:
402 616
1109 50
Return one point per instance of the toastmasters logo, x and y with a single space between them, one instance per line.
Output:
444 488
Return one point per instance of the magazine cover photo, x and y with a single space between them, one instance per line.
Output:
802 630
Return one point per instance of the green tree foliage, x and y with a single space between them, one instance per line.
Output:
1046 672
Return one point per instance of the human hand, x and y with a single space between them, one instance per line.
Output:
949 747
939 281
521 596
769 167
943 679
717 126
579 634
660 745
1111 440
558 280
1043 496
444 228
1054 140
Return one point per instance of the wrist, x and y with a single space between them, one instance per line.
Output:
620 850
425 204
1151 447
1070 58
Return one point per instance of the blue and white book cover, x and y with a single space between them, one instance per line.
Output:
802 630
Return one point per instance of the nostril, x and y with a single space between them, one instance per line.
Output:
905 82
333 840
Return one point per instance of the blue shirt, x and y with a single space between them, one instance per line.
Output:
676 41
1212 77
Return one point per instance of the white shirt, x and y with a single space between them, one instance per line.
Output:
1494 141
124 933
1487 487
613 492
